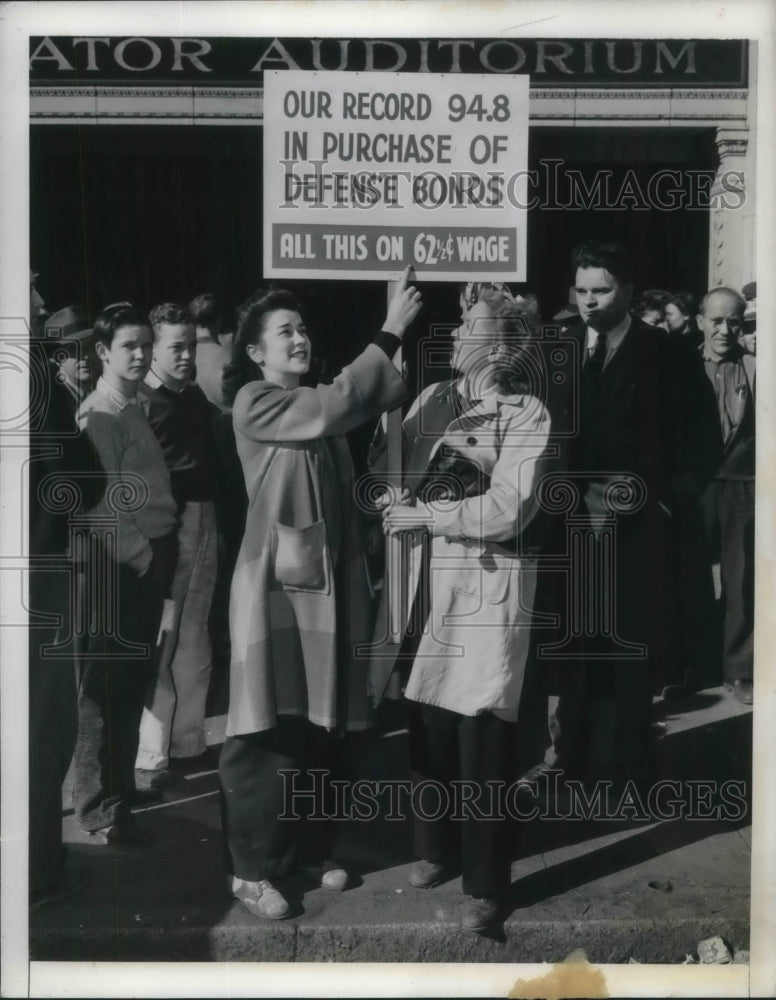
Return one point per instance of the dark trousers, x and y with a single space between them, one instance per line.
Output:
599 725
113 680
447 747
728 515
255 794
699 646
231 505
52 722
623 633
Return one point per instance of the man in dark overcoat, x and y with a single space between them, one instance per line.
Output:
645 447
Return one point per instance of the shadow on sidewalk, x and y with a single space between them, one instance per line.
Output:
169 901
702 760
140 900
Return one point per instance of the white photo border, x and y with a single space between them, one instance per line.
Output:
751 19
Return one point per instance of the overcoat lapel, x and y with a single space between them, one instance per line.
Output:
616 373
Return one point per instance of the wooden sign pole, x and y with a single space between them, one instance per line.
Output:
395 571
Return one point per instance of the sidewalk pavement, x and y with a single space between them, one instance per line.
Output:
647 890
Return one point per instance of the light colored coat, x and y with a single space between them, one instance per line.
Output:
472 656
299 598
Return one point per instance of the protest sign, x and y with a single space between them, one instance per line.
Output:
365 173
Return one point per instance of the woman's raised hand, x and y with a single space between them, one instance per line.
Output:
404 306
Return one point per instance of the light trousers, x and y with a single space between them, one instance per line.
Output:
173 721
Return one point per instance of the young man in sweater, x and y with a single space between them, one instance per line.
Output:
179 412
131 553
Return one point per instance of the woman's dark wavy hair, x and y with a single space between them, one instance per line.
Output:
252 319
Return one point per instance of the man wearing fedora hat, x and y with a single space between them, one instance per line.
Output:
70 334
62 461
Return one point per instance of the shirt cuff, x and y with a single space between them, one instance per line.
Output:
446 518
387 342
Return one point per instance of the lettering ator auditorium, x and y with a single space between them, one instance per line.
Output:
147 153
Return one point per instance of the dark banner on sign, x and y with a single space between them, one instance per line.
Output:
241 61
389 248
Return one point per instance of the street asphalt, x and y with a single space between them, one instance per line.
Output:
644 889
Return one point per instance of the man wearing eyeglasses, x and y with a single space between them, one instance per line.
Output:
728 503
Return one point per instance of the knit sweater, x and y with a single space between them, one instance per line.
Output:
138 500
182 423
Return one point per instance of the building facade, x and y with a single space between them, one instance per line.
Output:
651 141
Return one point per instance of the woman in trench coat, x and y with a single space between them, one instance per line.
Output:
298 590
469 660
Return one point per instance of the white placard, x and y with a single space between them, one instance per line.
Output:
365 173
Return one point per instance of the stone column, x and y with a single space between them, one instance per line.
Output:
731 244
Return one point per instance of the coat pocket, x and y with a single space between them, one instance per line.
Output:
476 571
301 557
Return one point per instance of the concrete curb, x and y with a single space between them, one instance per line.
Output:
603 941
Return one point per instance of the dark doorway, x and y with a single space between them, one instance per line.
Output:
640 173
154 212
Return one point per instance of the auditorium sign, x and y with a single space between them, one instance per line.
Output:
243 61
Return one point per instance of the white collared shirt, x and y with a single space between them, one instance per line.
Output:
154 381
614 338
115 395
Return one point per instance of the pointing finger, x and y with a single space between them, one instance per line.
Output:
405 277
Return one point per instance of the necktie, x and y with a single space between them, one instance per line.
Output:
596 360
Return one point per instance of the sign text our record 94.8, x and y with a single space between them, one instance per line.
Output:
378 106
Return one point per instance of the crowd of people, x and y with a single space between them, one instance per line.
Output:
215 504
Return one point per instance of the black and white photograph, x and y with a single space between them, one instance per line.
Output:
387 532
